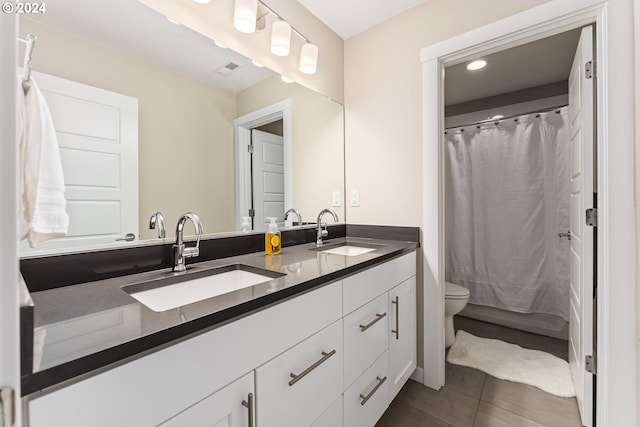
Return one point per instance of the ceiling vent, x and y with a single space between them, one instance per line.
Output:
227 68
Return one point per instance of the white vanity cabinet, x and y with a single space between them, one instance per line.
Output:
233 406
332 357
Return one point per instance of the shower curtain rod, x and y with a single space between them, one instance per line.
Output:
496 121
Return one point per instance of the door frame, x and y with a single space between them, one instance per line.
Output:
242 139
9 312
617 354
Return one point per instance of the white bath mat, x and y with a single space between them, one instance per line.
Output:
513 363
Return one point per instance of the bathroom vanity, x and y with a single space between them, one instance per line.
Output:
329 342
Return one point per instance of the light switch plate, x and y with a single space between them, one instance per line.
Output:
355 198
336 198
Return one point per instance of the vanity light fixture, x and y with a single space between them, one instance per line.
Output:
309 58
245 14
250 15
476 65
280 38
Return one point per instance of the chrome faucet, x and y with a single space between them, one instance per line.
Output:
324 233
296 212
180 251
157 220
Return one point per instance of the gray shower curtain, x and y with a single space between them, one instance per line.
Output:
507 198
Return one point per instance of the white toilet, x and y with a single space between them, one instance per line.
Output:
455 299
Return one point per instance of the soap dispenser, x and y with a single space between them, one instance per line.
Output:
272 238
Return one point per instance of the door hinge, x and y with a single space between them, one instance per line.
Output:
250 148
252 213
590 364
590 70
7 407
592 217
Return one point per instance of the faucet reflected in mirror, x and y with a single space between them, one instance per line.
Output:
320 231
180 251
157 221
296 213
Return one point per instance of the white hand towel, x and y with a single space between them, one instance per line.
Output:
43 214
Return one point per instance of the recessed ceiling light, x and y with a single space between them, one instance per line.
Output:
286 79
257 64
476 65
220 44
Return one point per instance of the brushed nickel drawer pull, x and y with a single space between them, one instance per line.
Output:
368 396
397 330
373 322
249 405
298 377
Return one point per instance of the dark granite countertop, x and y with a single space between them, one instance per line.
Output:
88 326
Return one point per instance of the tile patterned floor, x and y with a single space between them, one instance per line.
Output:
472 398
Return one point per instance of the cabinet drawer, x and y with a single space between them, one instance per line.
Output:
332 417
363 287
365 337
374 385
295 388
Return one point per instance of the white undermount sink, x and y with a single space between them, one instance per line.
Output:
178 290
348 249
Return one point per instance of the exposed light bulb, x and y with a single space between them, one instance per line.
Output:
280 38
309 58
476 65
244 16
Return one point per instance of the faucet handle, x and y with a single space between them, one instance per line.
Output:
191 252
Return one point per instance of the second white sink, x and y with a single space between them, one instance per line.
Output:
177 291
348 250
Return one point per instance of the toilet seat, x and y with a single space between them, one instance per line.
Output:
452 291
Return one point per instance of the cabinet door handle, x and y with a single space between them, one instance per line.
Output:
373 322
298 377
368 396
397 330
249 405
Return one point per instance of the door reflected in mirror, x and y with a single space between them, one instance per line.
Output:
194 100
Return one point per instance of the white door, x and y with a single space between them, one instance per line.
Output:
230 407
97 134
268 178
581 259
402 338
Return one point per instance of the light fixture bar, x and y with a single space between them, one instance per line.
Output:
281 18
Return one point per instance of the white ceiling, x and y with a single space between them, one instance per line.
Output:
350 17
533 64
131 27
